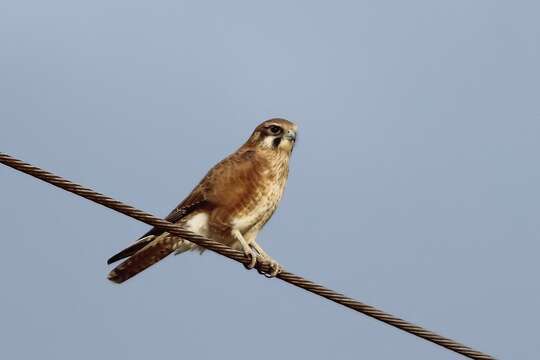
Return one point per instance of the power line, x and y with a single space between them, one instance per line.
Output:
224 250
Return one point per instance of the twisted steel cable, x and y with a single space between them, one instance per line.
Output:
224 250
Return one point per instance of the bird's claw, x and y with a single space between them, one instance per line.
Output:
275 268
253 260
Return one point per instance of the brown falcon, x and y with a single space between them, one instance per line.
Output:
231 204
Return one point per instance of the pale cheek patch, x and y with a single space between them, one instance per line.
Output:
268 142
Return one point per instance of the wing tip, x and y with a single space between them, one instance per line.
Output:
113 259
132 249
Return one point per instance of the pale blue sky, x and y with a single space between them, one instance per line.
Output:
414 186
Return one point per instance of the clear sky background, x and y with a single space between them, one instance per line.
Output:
414 185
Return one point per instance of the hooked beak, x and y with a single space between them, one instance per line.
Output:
290 135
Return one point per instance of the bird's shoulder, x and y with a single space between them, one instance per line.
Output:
231 174
226 178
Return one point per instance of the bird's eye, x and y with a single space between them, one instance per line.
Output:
274 129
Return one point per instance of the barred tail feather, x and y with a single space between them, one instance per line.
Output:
157 249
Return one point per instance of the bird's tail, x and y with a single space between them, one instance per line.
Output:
130 250
156 249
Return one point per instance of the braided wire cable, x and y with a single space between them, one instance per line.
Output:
226 251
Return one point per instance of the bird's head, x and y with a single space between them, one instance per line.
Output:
274 134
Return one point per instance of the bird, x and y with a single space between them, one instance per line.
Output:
231 204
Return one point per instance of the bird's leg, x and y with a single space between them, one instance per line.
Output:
248 251
274 265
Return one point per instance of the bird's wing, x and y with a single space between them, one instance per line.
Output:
213 188
216 188
193 202
224 182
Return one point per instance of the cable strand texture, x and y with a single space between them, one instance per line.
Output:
226 251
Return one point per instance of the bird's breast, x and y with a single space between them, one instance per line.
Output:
260 204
